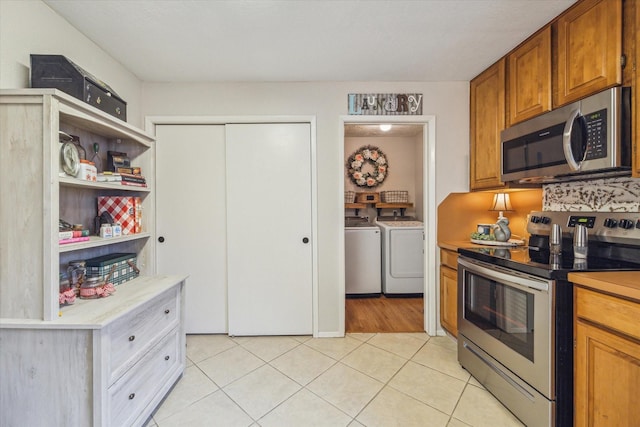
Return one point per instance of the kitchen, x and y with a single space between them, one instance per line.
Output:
447 101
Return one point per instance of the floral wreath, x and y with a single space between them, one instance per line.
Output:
371 155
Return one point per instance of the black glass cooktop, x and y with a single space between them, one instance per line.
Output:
539 262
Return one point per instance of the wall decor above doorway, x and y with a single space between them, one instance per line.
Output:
385 104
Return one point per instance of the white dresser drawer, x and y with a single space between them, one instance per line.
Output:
131 394
132 335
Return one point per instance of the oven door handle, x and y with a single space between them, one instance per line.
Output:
504 376
513 278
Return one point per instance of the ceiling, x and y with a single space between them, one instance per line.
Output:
307 40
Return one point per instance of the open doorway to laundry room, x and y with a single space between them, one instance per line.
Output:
384 284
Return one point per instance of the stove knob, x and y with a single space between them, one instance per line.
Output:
610 223
535 219
626 224
545 220
638 224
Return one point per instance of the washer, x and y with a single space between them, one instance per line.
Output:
402 256
362 258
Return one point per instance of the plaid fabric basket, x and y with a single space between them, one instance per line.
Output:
349 196
395 196
122 267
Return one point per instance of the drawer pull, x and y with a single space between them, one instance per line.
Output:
167 311
131 396
132 337
166 358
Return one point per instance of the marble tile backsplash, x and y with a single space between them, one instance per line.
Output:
600 195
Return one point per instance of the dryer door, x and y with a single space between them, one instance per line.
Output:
406 252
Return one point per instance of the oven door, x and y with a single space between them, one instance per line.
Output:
509 316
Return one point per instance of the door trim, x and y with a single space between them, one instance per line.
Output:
150 126
430 211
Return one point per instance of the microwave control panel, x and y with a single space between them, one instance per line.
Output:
596 134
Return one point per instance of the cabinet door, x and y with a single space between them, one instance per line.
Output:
449 299
529 76
589 49
607 378
486 121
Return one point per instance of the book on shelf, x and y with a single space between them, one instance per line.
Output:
132 170
108 177
128 177
134 184
72 233
73 240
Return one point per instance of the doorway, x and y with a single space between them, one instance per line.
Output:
413 314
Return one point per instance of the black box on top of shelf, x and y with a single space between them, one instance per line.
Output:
58 72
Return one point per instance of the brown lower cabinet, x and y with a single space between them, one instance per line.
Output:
449 291
607 359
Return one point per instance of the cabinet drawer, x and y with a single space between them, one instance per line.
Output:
131 394
614 313
449 258
131 335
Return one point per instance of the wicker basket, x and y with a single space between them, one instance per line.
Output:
395 196
367 197
349 196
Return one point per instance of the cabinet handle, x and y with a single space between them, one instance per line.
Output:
131 396
161 239
132 337
166 358
167 311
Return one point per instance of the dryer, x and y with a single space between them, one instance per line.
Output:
402 256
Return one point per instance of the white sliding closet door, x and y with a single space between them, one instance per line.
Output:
191 219
269 250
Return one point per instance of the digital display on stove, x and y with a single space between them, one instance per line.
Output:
587 221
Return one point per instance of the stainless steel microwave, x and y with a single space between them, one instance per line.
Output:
590 138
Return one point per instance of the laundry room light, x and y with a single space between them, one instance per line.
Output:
501 203
385 127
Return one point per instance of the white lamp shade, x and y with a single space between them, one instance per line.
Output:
501 202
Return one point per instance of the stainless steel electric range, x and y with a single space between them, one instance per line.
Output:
515 310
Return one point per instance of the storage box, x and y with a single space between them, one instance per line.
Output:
349 196
367 197
56 71
122 267
127 211
395 196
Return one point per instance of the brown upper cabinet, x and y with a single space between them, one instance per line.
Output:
589 50
529 78
487 119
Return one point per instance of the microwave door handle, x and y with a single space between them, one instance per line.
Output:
566 142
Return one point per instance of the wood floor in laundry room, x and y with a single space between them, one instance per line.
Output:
383 314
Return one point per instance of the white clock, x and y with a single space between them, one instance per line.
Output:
70 158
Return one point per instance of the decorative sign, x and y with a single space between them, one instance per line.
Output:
385 104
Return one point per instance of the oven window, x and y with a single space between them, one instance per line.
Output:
504 312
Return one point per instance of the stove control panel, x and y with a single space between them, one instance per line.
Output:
614 227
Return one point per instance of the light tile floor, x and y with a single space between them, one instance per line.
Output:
407 379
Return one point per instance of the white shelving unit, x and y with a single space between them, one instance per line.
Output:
84 362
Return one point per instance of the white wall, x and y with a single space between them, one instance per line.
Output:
31 27
448 101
